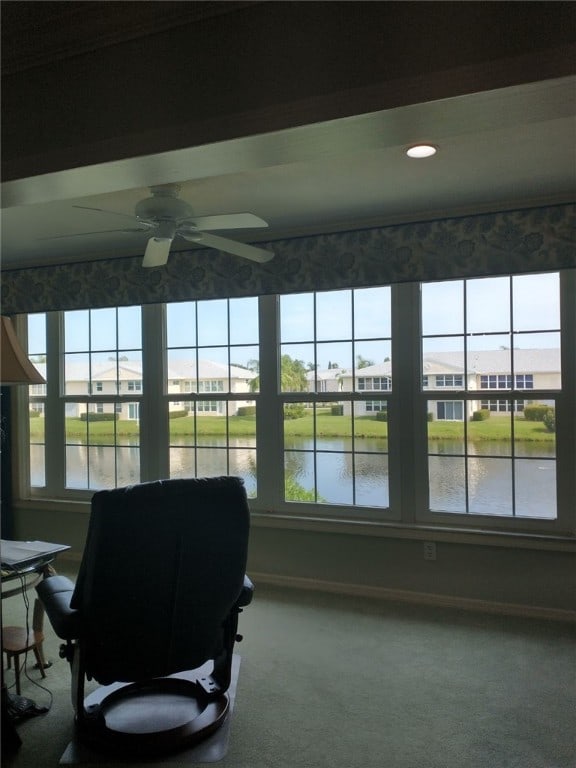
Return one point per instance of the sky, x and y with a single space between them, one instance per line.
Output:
534 310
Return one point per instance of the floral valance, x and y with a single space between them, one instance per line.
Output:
485 244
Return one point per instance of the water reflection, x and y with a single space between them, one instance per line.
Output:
488 480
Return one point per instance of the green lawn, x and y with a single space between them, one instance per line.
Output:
326 426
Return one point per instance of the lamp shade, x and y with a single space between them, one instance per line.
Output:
15 367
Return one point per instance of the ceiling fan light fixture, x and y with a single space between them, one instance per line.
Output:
420 151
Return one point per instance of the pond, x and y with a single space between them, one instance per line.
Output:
487 479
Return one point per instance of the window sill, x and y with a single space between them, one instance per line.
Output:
451 535
391 530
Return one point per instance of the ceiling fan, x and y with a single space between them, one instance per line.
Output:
165 216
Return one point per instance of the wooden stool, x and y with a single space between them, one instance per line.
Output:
15 641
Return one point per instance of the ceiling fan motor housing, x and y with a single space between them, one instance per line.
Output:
155 209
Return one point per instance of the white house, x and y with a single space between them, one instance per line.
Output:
486 370
183 376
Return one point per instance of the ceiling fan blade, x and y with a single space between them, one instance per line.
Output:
231 246
99 232
229 221
157 250
103 210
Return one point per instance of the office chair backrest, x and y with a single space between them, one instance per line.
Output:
163 564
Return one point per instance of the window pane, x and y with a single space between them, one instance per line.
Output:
445 429
488 305
443 362
244 321
37 335
338 358
535 429
443 308
181 324
182 462
212 322
335 477
299 476
370 425
76 330
538 355
101 467
76 374
103 329
334 315
211 462
447 483
299 460
296 363
536 302
372 313
371 480
490 486
102 444
535 487
129 328
373 353
211 437
128 466
297 317
37 465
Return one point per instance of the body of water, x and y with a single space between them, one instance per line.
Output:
487 481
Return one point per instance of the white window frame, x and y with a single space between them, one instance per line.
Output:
565 400
407 422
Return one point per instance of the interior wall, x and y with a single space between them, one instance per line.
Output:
493 574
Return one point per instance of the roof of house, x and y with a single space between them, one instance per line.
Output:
129 370
479 362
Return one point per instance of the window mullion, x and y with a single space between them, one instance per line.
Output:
566 404
407 436
55 418
269 444
154 427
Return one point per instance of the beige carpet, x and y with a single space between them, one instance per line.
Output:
341 682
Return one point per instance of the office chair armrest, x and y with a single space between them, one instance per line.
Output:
55 592
246 593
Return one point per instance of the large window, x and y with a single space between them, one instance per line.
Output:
500 457
211 384
446 403
335 447
102 355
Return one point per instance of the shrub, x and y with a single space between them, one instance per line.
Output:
382 415
177 414
98 417
430 416
481 415
246 410
295 492
34 414
294 411
535 412
337 410
550 420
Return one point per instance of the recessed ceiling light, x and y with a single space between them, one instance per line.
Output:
421 150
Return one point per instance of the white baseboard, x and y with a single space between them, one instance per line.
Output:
420 598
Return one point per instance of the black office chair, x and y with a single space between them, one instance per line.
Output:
159 590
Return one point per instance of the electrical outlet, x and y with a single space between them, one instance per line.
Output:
429 550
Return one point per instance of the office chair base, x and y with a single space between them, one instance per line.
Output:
149 718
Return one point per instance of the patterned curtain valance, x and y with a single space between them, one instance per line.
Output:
485 244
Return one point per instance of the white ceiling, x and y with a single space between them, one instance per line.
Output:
515 147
